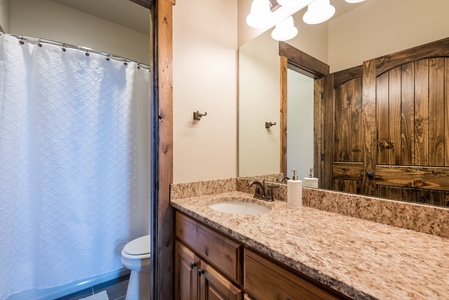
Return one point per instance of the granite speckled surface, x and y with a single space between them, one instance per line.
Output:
360 258
418 217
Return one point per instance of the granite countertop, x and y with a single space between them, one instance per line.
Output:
359 258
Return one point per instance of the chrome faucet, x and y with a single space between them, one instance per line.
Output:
260 192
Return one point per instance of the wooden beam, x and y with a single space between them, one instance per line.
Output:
318 126
145 3
369 126
303 60
283 115
328 133
162 213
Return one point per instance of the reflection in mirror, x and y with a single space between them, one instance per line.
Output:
259 90
260 149
299 123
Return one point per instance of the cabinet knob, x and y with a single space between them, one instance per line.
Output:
192 265
370 175
200 272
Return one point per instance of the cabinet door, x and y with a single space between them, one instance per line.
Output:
186 273
214 286
267 281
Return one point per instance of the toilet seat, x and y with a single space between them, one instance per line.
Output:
138 248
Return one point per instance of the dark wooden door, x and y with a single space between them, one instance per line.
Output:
391 126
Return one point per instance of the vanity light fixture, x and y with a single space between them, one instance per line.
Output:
260 12
318 11
287 3
278 13
284 30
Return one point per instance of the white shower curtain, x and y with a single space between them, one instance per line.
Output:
74 163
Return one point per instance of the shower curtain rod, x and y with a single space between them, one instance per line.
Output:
64 46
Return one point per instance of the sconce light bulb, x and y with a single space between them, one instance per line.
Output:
318 11
260 14
285 30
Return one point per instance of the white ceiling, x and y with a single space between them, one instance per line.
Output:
123 12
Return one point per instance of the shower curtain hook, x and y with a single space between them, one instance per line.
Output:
63 47
21 42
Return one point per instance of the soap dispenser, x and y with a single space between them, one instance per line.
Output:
294 191
311 181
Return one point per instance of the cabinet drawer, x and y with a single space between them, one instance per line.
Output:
265 280
215 248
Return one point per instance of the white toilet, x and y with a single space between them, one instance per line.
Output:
136 257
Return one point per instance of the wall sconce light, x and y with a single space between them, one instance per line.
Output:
318 11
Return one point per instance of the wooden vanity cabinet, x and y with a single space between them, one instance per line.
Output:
207 264
196 279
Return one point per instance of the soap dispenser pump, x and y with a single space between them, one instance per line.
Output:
294 191
311 181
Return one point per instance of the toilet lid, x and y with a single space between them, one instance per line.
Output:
139 246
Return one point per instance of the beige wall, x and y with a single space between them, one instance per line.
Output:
50 20
381 27
205 79
4 15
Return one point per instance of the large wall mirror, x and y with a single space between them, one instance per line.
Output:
265 146
336 136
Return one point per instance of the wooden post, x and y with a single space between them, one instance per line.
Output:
369 126
283 115
162 215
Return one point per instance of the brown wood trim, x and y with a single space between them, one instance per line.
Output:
145 3
438 48
318 126
434 178
303 60
328 135
162 212
346 75
369 125
348 170
283 114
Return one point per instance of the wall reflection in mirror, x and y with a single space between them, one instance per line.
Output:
260 149
259 102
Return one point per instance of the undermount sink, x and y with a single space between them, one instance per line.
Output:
239 206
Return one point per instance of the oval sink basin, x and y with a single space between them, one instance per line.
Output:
239 207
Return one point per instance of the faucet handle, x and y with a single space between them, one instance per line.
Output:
270 192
